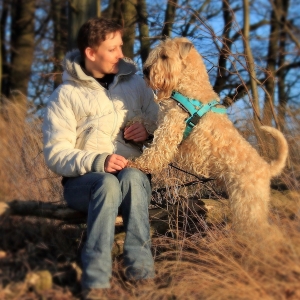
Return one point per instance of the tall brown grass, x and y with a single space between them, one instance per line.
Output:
23 172
197 258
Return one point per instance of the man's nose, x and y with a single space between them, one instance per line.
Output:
120 54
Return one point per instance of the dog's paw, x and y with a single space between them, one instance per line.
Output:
136 119
132 164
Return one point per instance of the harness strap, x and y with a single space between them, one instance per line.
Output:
196 109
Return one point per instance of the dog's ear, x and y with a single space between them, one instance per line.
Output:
184 49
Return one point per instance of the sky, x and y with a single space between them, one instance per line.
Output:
202 39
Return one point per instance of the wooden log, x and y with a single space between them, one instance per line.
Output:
51 210
4 208
42 209
59 211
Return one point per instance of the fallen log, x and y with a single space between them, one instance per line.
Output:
161 219
50 210
214 211
34 208
59 211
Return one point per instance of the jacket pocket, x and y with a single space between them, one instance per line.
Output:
84 136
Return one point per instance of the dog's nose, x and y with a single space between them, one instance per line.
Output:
146 72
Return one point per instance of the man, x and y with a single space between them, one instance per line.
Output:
87 142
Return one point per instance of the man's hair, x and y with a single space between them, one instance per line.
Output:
93 32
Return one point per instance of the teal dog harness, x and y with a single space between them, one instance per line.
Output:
196 109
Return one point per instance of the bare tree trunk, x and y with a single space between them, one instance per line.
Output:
128 20
99 8
169 18
59 17
271 67
143 29
250 61
278 10
22 40
1 62
125 13
252 77
281 74
5 55
226 48
79 12
113 10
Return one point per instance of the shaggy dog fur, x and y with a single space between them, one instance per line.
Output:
214 148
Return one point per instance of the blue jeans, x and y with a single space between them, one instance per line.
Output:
101 195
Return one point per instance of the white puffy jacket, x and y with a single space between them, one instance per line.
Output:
83 120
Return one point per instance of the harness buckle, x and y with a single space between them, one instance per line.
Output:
194 119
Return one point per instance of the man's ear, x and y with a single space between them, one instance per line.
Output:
90 53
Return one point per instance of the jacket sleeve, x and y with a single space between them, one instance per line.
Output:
59 137
149 107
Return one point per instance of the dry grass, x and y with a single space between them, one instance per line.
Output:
22 169
198 258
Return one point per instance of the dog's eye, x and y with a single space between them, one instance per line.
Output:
163 56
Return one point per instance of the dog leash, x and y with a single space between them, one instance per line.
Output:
160 191
196 109
200 179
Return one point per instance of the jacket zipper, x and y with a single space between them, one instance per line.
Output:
115 120
86 134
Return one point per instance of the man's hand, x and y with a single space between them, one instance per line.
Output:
136 132
114 163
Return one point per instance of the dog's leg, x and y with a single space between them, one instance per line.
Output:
249 204
165 143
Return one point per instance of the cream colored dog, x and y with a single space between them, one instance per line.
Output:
214 147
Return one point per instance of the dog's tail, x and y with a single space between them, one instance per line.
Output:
277 165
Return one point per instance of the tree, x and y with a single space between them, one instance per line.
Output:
22 39
250 62
60 22
128 20
79 12
271 67
126 13
5 53
282 72
0 59
143 29
216 29
169 18
221 77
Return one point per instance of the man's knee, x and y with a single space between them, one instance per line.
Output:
107 187
137 182
133 175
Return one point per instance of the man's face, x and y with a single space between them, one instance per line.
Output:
104 60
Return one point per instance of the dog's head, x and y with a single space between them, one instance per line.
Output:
165 64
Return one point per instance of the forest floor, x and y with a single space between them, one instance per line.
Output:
196 258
